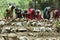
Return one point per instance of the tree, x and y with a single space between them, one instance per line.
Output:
44 3
57 4
24 4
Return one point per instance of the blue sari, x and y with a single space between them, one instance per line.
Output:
46 14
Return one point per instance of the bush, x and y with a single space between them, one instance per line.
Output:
58 26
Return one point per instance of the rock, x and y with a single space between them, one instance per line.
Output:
43 29
49 25
1 38
28 23
12 23
22 29
33 34
38 24
6 30
22 19
37 39
2 22
12 36
4 36
7 23
30 34
0 30
33 23
24 23
51 20
36 29
14 29
48 29
17 19
8 27
41 38
18 24
23 38
3 31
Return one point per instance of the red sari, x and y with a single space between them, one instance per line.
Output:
39 17
31 14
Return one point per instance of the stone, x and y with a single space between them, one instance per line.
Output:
12 23
30 34
47 38
42 23
43 29
12 36
51 21
7 28
14 29
2 22
22 29
23 38
28 22
4 36
36 29
18 24
3 31
1 38
38 38
39 24
53 38
49 25
58 38
33 23
17 19
24 23
49 29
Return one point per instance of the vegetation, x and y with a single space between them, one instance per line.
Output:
3 6
25 4
58 26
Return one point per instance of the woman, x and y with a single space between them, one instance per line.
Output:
46 14
38 15
32 13
18 13
55 14
7 14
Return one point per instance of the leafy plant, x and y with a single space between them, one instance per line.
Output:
58 26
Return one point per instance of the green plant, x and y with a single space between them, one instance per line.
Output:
58 26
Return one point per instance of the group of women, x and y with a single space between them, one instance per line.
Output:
31 13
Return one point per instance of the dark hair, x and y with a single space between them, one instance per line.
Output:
12 7
17 9
25 11
38 12
7 10
52 7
